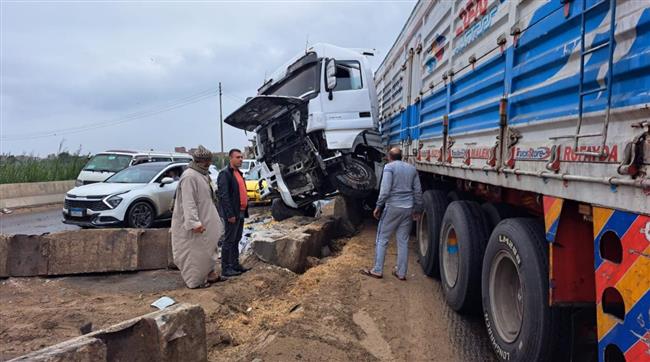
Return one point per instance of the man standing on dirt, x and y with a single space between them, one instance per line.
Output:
399 203
233 207
196 225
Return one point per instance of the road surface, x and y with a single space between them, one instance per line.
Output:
40 221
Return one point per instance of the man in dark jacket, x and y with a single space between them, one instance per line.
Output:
233 208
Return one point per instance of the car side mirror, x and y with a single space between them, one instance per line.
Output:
166 181
330 76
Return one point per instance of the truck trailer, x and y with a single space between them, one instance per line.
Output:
528 122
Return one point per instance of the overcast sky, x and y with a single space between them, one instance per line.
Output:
150 70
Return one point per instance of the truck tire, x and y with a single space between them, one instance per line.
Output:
496 212
463 236
520 324
356 179
280 211
456 195
428 231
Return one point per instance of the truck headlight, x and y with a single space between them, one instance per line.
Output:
78 183
113 201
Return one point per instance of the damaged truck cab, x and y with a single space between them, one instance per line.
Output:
316 124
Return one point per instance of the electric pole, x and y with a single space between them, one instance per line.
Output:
220 117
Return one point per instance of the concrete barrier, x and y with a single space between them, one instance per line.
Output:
176 333
292 242
85 251
13 196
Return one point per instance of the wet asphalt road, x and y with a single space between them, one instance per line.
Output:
34 223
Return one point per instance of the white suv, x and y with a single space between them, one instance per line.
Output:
136 197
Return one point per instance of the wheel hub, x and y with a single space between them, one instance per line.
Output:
506 297
423 234
451 257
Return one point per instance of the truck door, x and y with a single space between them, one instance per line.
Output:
349 107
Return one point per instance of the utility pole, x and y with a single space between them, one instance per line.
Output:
220 117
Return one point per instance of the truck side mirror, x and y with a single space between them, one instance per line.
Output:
330 76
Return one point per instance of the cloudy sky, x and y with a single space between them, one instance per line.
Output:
143 75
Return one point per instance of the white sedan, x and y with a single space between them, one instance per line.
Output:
136 197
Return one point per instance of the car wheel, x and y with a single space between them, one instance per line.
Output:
356 179
140 215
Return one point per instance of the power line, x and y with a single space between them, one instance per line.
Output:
169 106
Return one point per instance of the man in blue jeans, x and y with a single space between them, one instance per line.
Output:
399 203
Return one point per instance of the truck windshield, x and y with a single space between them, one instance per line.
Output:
302 81
108 163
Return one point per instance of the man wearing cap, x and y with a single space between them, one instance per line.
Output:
196 225
233 207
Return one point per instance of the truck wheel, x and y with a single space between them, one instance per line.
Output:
495 212
463 237
280 211
521 325
428 231
357 179
456 195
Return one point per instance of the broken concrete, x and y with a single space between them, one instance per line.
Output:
348 212
176 333
85 251
293 241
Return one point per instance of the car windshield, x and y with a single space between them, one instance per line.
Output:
140 174
302 81
108 163
253 175
246 165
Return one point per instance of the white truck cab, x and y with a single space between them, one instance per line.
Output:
316 124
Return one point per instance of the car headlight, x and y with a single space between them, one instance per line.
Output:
78 183
113 201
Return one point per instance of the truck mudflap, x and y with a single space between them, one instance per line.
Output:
261 109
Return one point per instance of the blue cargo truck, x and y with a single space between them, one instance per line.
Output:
528 121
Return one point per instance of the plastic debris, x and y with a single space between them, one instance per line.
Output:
163 303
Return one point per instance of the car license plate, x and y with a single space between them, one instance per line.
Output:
76 212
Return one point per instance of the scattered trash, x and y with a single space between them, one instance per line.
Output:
249 309
295 308
6 211
86 328
163 303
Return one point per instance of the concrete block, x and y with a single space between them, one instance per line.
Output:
33 193
92 251
80 349
182 335
4 256
27 255
176 333
349 214
291 249
154 247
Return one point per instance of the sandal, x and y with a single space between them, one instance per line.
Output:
204 285
369 273
397 276
214 278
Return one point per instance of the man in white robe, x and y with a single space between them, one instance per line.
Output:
196 225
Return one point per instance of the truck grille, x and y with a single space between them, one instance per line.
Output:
97 205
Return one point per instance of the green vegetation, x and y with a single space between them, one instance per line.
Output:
27 168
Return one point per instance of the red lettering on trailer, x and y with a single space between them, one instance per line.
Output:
470 13
570 154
